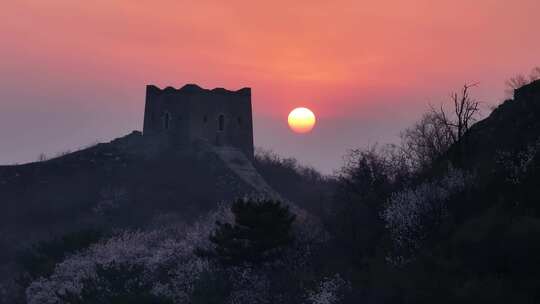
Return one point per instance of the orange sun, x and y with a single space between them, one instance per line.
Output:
301 120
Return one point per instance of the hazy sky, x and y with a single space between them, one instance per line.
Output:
74 72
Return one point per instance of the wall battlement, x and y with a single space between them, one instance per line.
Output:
218 116
195 89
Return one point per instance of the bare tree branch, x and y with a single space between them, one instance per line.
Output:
520 80
438 129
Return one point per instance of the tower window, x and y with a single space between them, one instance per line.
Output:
221 122
239 120
166 120
205 118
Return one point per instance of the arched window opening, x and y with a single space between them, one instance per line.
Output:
166 120
239 121
221 122
205 118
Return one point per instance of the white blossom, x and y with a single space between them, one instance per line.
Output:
169 263
168 248
250 286
518 164
329 291
411 213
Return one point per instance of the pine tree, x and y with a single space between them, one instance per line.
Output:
260 232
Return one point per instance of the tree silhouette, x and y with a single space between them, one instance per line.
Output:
520 80
426 140
260 232
465 110
439 129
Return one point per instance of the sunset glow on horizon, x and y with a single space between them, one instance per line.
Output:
75 71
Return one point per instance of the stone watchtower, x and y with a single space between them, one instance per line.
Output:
182 116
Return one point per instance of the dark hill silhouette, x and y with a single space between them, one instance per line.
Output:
488 248
493 144
511 126
125 183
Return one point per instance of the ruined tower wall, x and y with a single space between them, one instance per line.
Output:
218 117
222 119
166 114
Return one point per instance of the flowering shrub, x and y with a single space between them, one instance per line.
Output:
516 165
329 291
412 213
162 263
250 286
165 258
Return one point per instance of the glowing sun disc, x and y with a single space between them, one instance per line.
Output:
301 120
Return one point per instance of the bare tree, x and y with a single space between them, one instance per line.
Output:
535 74
515 82
465 113
425 141
439 128
520 80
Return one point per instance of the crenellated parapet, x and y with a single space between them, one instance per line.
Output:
195 89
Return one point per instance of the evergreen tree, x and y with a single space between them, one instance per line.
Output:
260 232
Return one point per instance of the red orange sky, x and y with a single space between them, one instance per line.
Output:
72 72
